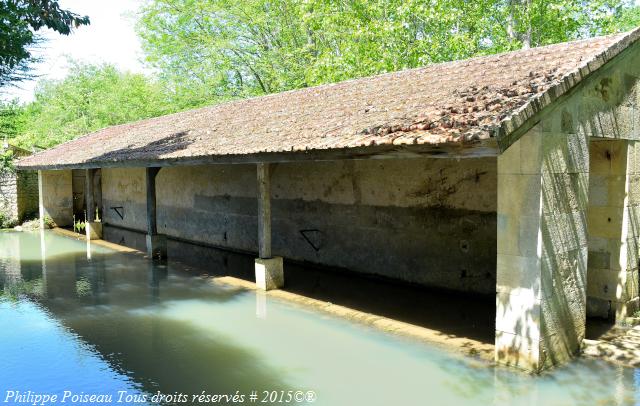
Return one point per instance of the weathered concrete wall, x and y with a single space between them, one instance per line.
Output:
124 197
427 221
57 196
19 195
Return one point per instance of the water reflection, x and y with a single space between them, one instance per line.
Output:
120 321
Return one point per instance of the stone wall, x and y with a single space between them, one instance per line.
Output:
27 195
613 229
19 195
425 221
9 196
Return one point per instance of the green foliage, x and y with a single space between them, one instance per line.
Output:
6 161
6 221
12 120
89 98
213 50
15 290
49 223
19 22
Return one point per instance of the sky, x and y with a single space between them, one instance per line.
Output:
110 38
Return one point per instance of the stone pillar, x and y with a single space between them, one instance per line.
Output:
269 270
542 249
156 243
612 283
93 228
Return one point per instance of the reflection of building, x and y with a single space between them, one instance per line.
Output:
18 190
10 266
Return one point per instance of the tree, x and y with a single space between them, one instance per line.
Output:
89 98
19 22
211 50
12 120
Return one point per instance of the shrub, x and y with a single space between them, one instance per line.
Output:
6 221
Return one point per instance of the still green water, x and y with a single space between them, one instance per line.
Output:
117 325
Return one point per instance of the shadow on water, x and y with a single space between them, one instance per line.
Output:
454 313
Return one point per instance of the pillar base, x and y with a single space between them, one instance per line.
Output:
157 246
94 230
269 273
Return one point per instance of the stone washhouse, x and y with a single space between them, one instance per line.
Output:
515 174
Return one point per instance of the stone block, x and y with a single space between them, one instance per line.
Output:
563 267
94 230
521 195
564 192
598 190
633 158
608 157
269 273
531 152
599 259
509 160
610 118
565 153
604 284
156 246
518 235
600 308
517 351
564 232
557 349
518 275
605 221
634 190
518 313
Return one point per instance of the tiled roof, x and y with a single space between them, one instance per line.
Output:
455 103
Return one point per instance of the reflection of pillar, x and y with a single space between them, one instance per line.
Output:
157 272
542 249
261 304
43 259
156 243
88 246
93 228
269 272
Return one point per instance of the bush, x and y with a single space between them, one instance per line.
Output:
6 221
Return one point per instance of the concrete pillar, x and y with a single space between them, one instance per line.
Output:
542 249
156 243
269 270
612 283
40 201
93 229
